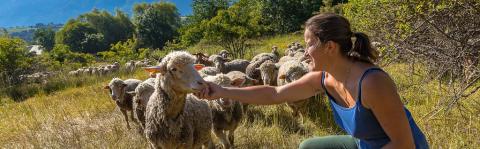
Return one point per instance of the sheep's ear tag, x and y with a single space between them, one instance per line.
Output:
131 93
282 77
153 69
198 66
106 87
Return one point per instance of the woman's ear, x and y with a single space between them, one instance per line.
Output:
331 47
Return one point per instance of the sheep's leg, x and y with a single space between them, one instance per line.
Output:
209 144
223 138
231 138
124 112
132 117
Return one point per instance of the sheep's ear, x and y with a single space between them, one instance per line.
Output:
282 77
238 82
106 87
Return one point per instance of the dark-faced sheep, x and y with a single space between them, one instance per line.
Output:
235 65
227 114
174 117
118 91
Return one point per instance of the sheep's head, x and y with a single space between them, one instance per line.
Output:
225 81
116 88
268 71
178 73
200 56
224 54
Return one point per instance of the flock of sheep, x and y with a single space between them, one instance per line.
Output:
170 116
108 69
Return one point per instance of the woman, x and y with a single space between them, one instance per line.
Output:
364 99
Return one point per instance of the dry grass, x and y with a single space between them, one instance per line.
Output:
85 117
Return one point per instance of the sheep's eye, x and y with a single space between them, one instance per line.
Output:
173 69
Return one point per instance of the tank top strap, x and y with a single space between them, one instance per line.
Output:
323 85
365 73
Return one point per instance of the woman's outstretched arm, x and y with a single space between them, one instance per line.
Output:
307 86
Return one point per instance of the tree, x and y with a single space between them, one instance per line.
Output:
14 61
45 37
113 28
156 24
231 28
81 37
284 16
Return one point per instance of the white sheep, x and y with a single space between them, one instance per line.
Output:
287 73
119 93
268 72
208 71
174 117
227 114
141 95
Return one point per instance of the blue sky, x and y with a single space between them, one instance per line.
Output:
30 12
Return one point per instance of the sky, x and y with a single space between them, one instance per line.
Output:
29 12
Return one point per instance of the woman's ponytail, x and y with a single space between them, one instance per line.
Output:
362 48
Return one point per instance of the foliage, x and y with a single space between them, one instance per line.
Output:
113 28
80 37
443 35
156 23
14 61
231 28
286 16
94 31
45 37
121 51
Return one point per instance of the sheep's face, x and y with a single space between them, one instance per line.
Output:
268 72
116 88
177 68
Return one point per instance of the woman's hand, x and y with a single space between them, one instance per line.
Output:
211 92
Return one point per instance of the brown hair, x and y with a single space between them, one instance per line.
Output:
336 28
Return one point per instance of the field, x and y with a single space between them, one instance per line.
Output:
85 117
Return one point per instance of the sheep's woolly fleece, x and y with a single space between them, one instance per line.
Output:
116 82
178 58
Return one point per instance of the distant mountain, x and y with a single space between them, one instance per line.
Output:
30 12
26 32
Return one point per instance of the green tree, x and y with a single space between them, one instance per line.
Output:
283 16
156 24
45 37
14 60
81 37
231 28
113 28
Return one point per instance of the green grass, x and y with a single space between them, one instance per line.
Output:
85 117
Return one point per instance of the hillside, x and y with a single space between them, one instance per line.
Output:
85 117
26 32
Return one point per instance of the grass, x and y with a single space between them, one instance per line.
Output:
84 116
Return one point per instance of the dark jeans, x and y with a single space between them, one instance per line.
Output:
330 142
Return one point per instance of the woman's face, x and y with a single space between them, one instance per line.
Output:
316 52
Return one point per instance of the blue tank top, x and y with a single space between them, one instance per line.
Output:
362 124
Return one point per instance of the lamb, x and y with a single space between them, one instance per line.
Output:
130 66
268 72
227 114
141 95
175 118
118 91
287 73
235 65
